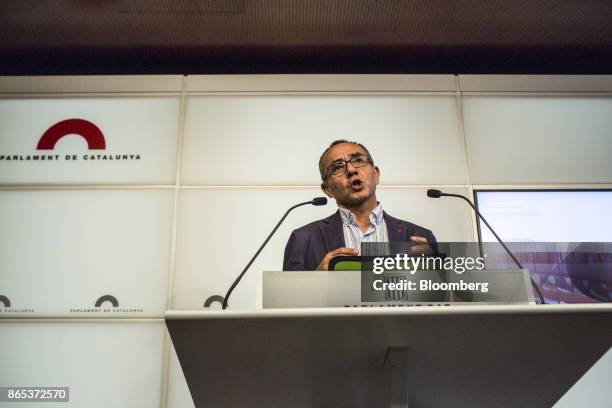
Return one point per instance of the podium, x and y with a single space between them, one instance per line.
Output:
447 356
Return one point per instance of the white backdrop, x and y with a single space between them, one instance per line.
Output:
222 158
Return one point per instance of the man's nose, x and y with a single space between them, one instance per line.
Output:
350 170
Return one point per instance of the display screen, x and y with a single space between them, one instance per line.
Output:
562 236
546 216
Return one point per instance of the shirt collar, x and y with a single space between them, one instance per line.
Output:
348 218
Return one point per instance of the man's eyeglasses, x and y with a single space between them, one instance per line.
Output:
338 167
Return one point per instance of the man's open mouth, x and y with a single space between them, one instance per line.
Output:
356 185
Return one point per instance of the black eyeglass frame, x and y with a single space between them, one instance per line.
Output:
368 160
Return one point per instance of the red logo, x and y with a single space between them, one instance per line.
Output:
90 132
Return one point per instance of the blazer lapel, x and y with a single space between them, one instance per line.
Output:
333 236
397 232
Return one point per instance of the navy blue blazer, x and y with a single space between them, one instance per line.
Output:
308 245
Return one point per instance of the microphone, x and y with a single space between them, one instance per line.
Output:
318 201
315 201
432 193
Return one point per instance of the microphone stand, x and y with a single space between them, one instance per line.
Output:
317 201
516 261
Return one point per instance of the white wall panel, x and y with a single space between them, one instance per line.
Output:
105 364
538 139
147 127
178 391
276 140
220 229
448 218
593 388
64 249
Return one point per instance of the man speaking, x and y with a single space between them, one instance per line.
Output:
349 176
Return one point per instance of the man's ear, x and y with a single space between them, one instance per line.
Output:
326 189
377 172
